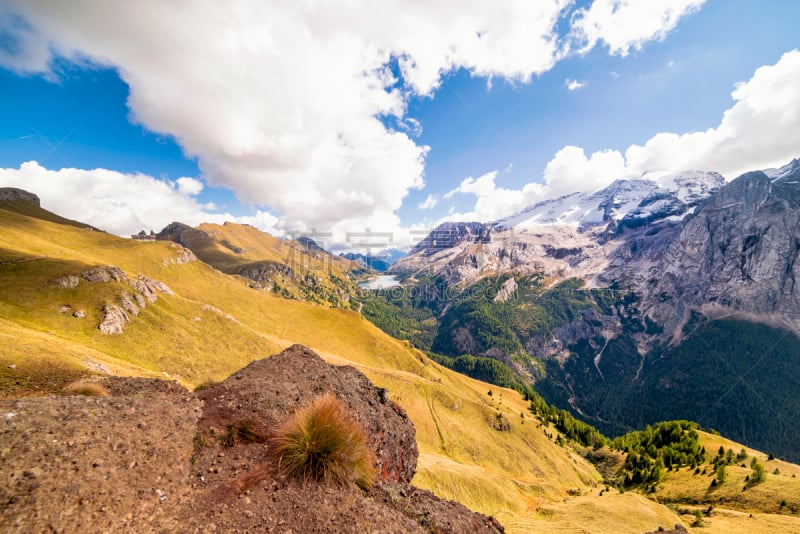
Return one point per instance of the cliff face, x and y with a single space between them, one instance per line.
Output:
154 457
738 255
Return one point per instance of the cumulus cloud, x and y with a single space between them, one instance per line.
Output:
21 50
282 101
758 131
122 203
491 202
628 24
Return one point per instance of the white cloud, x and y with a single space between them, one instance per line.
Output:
429 203
628 24
412 126
758 131
491 202
189 186
122 203
573 85
281 101
21 50
570 170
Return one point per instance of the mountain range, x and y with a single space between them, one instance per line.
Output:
667 297
197 304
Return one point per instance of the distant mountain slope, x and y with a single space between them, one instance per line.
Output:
738 255
578 235
624 202
292 269
377 262
27 203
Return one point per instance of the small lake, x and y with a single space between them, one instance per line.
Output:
384 281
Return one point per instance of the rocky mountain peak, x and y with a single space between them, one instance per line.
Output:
738 254
451 234
790 171
11 194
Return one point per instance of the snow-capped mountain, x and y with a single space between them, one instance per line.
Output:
574 235
629 202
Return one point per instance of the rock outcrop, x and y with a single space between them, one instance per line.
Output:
153 457
104 273
738 255
115 317
12 194
298 375
114 320
184 235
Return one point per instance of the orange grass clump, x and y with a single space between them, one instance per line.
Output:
323 442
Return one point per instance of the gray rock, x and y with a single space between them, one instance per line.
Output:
738 255
508 288
11 194
67 281
104 273
114 320
149 288
127 303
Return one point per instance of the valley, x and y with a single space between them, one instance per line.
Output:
483 445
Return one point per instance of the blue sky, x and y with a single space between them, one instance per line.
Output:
289 119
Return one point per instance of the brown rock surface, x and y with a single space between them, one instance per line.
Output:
298 375
153 457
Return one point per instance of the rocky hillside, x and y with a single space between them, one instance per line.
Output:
737 256
297 269
154 457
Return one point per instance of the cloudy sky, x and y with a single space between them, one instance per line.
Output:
345 115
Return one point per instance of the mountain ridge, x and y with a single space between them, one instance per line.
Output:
631 288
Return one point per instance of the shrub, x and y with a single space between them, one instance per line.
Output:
323 442
698 519
86 388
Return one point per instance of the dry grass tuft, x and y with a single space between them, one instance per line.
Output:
86 388
323 442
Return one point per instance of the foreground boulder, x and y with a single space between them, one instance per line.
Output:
154 457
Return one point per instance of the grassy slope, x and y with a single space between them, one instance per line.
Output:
521 476
686 491
231 246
